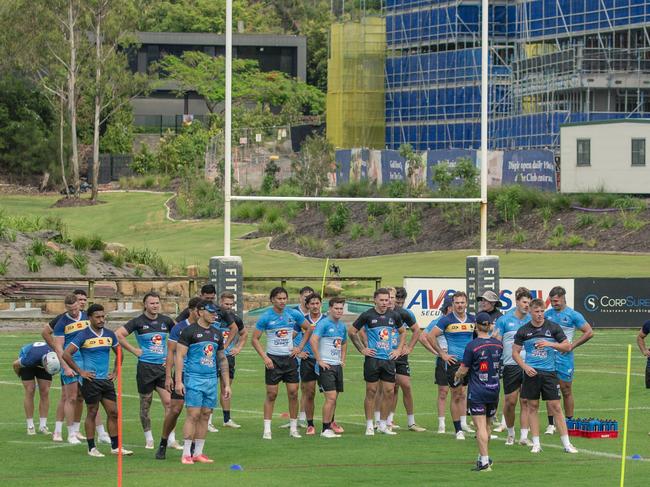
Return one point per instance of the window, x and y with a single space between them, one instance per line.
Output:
584 152
638 152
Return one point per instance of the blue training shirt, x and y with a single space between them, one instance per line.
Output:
569 319
31 355
95 350
540 358
457 332
279 329
482 357
202 346
331 337
152 335
442 341
507 326
379 329
300 334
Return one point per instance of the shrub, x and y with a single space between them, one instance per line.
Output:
508 203
311 243
96 243
585 220
560 202
574 240
275 227
413 226
248 210
146 257
362 188
558 231
33 263
378 209
555 241
356 231
631 222
38 248
338 220
606 222
80 262
4 265
519 237
81 243
59 258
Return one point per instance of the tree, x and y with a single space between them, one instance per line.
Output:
312 164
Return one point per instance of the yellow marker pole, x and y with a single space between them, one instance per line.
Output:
627 406
322 287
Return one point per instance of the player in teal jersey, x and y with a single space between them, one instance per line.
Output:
308 375
570 321
95 343
645 351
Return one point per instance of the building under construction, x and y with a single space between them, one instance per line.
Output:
551 62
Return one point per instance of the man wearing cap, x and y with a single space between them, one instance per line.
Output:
440 375
489 303
482 359
35 365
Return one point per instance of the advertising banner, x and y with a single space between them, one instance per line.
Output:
426 294
343 158
392 166
534 168
614 302
450 157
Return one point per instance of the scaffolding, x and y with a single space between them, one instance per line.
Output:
551 62
355 84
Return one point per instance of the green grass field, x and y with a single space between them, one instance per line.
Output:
406 459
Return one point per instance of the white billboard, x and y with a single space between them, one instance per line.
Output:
426 294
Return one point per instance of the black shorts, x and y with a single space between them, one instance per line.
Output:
647 375
440 373
285 369
450 370
149 377
29 373
513 376
93 391
482 409
308 370
331 379
402 366
544 383
177 397
231 366
375 369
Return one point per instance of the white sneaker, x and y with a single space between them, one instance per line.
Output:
570 449
212 428
460 435
149 445
31 431
266 435
73 440
80 437
499 428
94 452
536 449
104 439
494 437
57 437
285 426
125 452
416 428
294 434
370 431
510 440
386 432
393 426
44 430
526 442
328 433
231 424
176 446
441 428
550 429
466 428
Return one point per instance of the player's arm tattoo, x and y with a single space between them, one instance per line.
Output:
145 407
223 367
356 340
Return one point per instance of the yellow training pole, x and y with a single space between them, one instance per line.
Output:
627 405
322 287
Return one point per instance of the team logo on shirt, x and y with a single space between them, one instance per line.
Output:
384 335
282 333
226 334
156 340
337 343
208 350
483 367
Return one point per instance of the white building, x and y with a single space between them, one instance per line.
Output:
608 156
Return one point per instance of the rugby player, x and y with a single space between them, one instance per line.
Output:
640 340
280 356
35 365
199 349
168 438
458 330
570 320
308 375
378 323
505 330
94 344
152 330
541 339
329 346
304 309
482 359
440 374
233 348
208 293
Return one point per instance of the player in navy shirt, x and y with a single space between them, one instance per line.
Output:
199 353
541 339
640 340
482 359
94 344
279 324
379 324
152 330
35 365
168 436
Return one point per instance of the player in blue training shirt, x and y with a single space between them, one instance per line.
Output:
73 322
505 329
542 340
302 307
95 343
168 438
152 330
458 330
378 324
279 324
35 365
640 340
482 359
570 320
329 345
440 374
199 353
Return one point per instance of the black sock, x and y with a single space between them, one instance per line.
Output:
226 416
551 420
569 417
326 426
91 443
113 442
457 426
192 449
163 442
310 422
332 418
